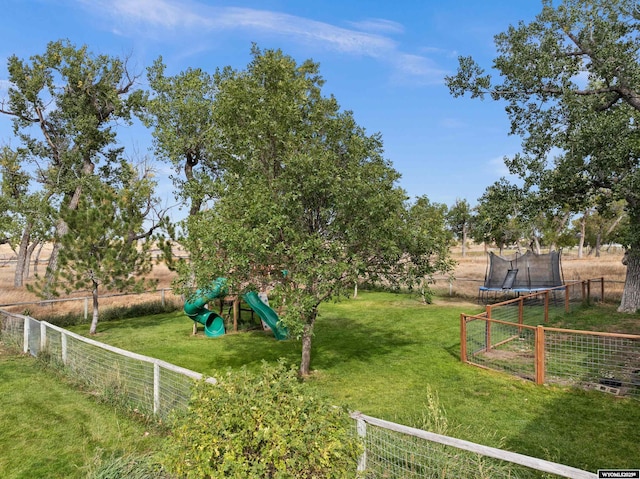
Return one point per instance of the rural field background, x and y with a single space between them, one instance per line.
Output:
469 274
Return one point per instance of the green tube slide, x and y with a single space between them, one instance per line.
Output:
195 308
268 315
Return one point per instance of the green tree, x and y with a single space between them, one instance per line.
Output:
498 215
429 243
102 248
65 105
600 226
459 218
180 111
28 214
306 203
570 80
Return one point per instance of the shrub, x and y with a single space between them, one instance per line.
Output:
264 425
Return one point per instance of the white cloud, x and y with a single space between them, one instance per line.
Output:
158 18
378 25
418 67
497 167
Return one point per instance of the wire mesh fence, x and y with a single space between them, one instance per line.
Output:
606 362
499 345
396 451
510 337
147 385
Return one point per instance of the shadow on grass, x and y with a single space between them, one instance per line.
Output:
584 420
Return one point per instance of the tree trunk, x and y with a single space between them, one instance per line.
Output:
307 333
464 240
30 250
630 302
598 244
94 319
583 228
355 290
21 261
536 244
37 260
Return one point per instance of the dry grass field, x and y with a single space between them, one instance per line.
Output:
469 275
471 270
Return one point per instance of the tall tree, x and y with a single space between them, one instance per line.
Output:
306 203
459 221
65 106
29 212
570 79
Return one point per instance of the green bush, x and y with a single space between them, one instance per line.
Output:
264 425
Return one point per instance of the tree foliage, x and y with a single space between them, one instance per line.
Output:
570 81
459 220
66 104
180 111
307 203
101 250
497 216
428 244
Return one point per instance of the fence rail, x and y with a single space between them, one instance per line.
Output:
511 337
394 450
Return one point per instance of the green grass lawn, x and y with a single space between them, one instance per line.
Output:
49 429
381 353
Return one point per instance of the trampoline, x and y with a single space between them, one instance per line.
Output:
521 274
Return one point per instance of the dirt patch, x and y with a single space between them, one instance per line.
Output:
505 354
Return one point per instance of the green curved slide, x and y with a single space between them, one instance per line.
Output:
194 307
268 315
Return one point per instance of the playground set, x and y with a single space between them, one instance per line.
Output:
196 308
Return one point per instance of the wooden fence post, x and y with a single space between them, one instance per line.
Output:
539 354
520 313
463 337
487 330
546 306
43 336
567 304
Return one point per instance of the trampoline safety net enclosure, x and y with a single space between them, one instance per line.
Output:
523 273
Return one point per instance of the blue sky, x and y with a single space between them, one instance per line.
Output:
384 60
